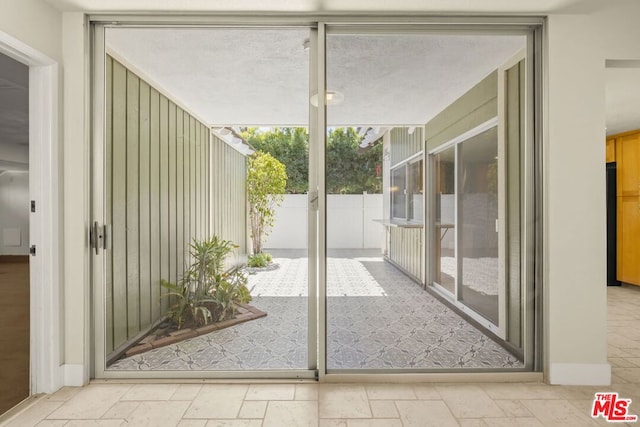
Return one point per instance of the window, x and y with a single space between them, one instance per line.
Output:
407 191
399 193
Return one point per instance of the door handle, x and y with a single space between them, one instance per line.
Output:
313 200
100 237
96 237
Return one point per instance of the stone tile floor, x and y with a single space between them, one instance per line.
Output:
352 405
377 318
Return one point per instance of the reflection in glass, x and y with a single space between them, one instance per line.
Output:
445 272
478 233
398 195
414 191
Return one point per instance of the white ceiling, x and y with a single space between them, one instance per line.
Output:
332 6
260 76
623 99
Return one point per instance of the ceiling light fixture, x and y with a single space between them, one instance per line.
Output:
332 97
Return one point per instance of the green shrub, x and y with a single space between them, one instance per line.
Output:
259 260
206 292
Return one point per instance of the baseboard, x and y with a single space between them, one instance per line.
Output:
74 375
580 373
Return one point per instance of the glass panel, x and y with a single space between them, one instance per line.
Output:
414 191
445 234
478 230
378 314
181 197
398 193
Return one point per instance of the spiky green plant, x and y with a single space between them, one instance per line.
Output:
206 281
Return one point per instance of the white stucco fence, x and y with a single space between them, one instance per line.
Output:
350 222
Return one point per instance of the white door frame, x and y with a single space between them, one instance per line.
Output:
44 231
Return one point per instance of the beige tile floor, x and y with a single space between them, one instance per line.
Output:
353 405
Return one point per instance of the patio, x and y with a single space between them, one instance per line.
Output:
377 318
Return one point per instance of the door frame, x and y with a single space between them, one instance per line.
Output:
371 23
316 211
46 369
499 329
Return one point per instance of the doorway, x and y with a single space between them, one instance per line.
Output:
367 258
14 233
174 184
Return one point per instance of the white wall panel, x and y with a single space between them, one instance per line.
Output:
14 213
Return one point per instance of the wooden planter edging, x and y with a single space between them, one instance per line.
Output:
244 313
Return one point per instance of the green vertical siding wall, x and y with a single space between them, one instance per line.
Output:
406 250
475 107
229 186
515 121
405 244
404 145
159 178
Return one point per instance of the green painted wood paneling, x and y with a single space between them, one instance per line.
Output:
180 191
164 199
172 208
475 107
159 183
186 215
406 250
404 145
145 207
108 190
154 211
192 178
406 243
228 204
133 204
118 207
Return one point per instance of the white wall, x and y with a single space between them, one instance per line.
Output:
350 222
76 201
290 226
30 32
35 23
14 156
574 217
14 213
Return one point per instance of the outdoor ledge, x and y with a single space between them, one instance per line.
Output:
399 224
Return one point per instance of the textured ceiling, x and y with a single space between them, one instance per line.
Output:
260 76
332 6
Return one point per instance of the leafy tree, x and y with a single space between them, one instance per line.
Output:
291 147
350 169
266 182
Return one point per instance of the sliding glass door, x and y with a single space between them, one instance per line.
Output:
467 223
477 203
416 265
200 249
401 239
